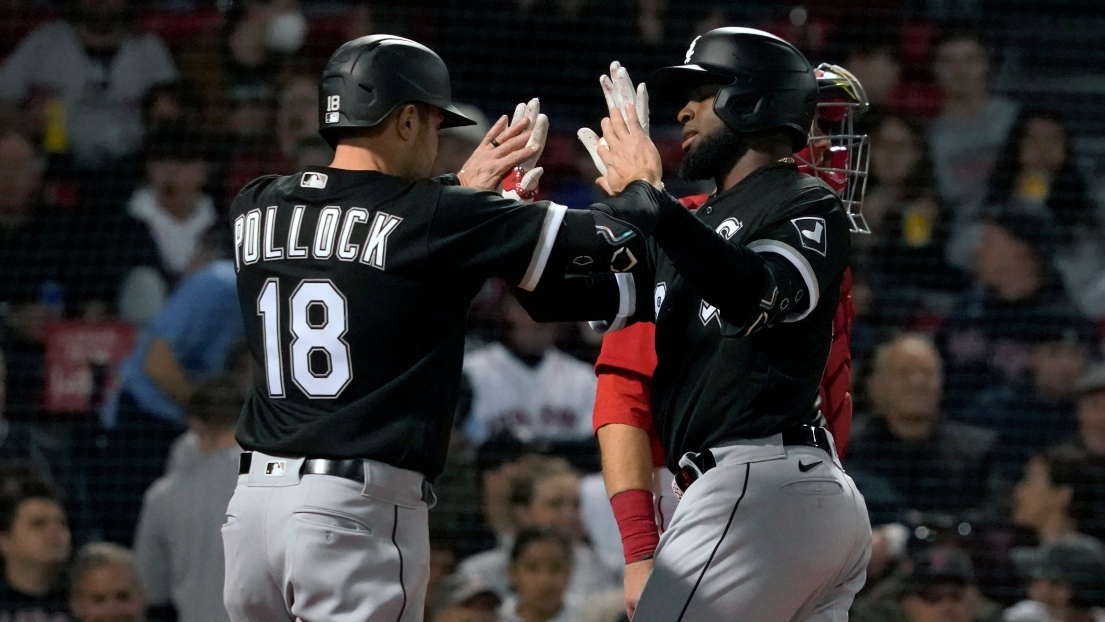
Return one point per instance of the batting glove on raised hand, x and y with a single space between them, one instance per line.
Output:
618 90
520 183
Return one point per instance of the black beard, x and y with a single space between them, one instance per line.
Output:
714 157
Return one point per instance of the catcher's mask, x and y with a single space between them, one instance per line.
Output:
835 152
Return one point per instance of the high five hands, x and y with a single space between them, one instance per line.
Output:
507 154
624 153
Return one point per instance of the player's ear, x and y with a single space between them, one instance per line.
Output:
407 122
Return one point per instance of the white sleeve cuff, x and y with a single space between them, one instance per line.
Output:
545 240
627 305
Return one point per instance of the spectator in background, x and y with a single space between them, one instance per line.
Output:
544 492
189 342
22 445
540 569
460 599
105 586
931 463
938 585
982 338
1066 583
1091 412
34 542
243 61
55 264
1037 173
903 259
967 136
1038 409
526 386
171 104
178 545
1057 497
260 150
871 55
97 68
172 204
311 151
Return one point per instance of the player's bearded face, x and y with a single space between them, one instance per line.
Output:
713 156
712 148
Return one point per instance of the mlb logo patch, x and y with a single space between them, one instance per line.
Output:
811 233
659 295
331 117
275 468
313 180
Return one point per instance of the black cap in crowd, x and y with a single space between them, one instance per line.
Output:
1078 563
1056 324
939 565
1034 229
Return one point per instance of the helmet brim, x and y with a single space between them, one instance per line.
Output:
454 117
674 84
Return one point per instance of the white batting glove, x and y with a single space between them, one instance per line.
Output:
521 183
618 90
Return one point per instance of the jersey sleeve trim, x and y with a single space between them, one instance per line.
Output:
545 240
796 258
627 305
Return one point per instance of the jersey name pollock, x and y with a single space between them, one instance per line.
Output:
256 237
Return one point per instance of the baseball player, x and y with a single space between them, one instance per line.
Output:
837 155
746 290
354 281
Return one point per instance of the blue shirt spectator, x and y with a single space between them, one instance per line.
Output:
199 325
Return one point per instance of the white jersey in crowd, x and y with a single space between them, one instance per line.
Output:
550 401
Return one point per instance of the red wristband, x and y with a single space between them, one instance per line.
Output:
637 523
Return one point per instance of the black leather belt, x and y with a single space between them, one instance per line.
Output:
349 469
694 465
811 435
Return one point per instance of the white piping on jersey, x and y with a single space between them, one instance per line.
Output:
545 240
627 305
804 268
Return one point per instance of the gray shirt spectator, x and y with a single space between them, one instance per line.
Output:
967 137
97 69
178 545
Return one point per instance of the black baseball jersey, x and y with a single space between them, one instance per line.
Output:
721 377
354 287
745 293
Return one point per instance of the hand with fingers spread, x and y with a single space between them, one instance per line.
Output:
618 90
627 153
521 183
506 146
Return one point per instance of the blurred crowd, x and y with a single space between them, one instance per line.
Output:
127 128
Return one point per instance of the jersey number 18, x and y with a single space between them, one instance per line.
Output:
317 318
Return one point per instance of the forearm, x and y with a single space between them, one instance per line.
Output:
572 299
166 372
626 458
727 276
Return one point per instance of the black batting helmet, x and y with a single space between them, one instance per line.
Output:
766 83
367 78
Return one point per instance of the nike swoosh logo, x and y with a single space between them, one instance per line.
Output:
814 235
806 467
